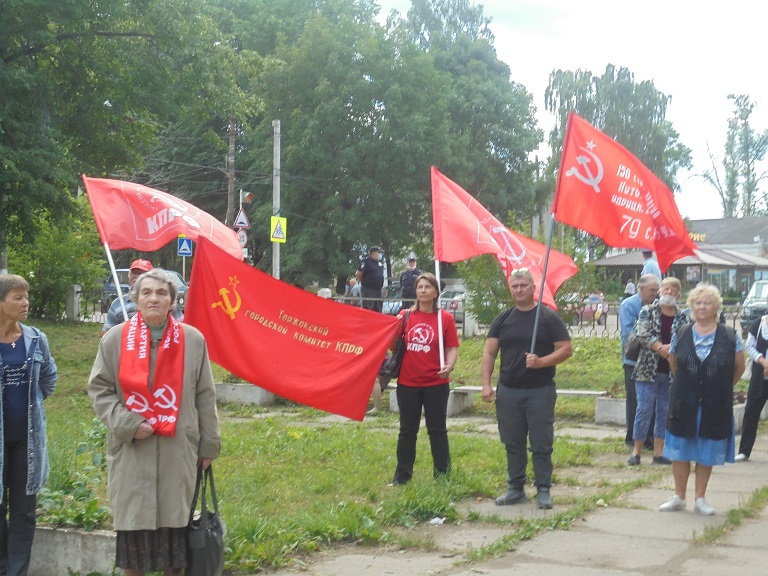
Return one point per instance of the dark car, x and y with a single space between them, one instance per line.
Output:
755 305
109 293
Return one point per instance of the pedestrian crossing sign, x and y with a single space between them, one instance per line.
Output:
279 227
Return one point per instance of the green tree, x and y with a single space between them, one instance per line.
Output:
727 183
86 88
66 252
363 116
487 289
492 118
737 180
632 113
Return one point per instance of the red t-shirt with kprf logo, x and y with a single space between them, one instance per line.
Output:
421 361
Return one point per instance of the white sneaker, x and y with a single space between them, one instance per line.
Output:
701 506
741 458
673 504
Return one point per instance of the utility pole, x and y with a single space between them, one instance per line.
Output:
230 219
276 193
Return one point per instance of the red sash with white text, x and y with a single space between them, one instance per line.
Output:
159 406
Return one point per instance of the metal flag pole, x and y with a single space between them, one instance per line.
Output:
543 280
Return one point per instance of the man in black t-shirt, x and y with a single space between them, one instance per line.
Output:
370 274
525 394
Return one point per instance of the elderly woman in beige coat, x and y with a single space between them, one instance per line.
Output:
151 385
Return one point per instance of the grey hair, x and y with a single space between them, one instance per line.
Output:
647 278
161 276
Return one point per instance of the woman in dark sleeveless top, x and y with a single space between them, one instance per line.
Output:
707 361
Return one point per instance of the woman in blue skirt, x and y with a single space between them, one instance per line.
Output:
707 361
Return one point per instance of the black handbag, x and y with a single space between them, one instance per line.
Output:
205 532
390 368
632 346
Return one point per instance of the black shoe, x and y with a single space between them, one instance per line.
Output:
634 460
661 460
511 496
544 499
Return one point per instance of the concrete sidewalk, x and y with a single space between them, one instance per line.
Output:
629 537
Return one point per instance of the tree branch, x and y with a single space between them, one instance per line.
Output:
32 50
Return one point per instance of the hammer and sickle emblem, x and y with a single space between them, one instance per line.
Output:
584 162
169 401
140 401
226 305
509 250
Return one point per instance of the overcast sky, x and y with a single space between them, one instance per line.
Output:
695 52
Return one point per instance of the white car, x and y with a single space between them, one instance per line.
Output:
453 302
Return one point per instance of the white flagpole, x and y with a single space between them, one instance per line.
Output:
441 345
116 280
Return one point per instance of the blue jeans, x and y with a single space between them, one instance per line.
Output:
17 530
410 400
652 401
523 414
631 409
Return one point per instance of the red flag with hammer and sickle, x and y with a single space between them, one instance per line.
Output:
284 339
603 189
464 228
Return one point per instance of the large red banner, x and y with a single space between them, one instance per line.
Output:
603 189
464 228
286 340
130 215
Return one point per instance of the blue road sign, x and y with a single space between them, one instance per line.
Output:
184 247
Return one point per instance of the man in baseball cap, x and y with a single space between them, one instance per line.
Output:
140 264
115 312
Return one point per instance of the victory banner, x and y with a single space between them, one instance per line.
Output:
284 339
603 189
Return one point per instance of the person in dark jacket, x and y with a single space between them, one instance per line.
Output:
408 282
707 360
370 274
757 395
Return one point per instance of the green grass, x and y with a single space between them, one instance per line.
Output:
291 482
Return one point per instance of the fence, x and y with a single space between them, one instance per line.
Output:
92 309
85 306
607 325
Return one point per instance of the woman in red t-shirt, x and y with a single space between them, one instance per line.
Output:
423 381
